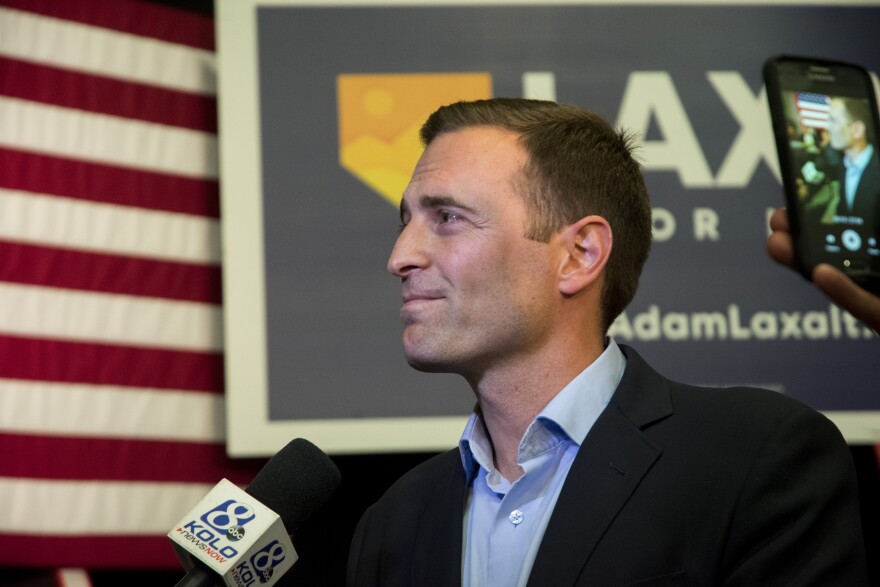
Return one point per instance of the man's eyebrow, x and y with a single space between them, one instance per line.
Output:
434 202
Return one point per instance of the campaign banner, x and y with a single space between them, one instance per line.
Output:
324 114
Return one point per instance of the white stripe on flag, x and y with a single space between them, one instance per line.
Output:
106 228
90 49
76 134
104 411
70 508
43 312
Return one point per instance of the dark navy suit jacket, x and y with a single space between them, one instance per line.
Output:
867 197
674 485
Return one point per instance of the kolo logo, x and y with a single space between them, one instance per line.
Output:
265 561
229 518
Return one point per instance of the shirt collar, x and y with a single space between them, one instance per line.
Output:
569 416
860 160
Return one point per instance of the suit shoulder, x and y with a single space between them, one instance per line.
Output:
751 400
648 397
751 413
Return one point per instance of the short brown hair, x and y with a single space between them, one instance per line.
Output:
578 166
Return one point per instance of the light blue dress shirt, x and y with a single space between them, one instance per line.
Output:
854 168
504 522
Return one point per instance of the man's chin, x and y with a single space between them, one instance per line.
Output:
428 365
428 362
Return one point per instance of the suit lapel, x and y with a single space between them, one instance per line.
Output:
609 466
437 555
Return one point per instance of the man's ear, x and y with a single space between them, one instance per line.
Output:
587 245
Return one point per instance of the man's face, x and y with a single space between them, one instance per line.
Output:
476 292
839 126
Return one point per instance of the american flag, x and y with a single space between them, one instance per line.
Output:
111 354
812 109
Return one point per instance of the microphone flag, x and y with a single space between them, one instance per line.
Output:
237 537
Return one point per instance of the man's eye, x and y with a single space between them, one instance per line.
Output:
446 216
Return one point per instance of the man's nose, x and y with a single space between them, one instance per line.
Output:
409 252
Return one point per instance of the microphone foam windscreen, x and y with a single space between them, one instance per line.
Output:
295 482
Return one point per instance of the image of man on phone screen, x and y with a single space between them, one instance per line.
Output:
850 133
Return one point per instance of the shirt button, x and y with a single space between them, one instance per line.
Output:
516 517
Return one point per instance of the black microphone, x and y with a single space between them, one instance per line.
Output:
230 540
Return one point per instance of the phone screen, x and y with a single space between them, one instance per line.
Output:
826 126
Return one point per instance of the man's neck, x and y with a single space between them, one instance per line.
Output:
511 397
855 150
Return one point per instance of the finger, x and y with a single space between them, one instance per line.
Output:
781 249
779 221
844 292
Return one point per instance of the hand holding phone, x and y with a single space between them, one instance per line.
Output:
826 126
839 288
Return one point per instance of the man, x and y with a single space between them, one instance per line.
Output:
525 228
850 129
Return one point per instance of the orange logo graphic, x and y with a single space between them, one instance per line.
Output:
380 116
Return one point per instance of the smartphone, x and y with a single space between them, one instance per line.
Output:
825 121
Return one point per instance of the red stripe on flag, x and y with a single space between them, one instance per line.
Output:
61 87
45 457
95 552
31 264
109 184
77 362
129 16
61 457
